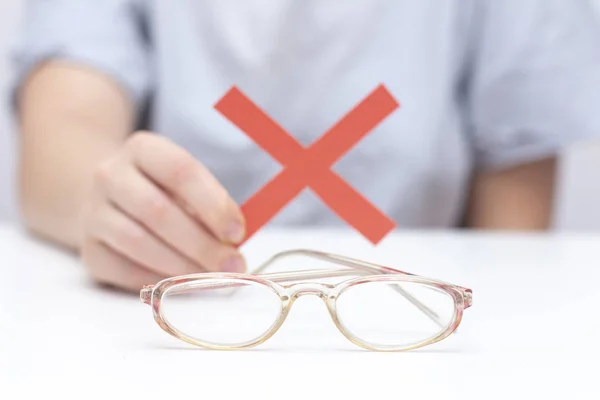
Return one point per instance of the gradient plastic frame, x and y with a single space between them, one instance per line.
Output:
363 272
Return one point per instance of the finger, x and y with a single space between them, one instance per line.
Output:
187 179
139 198
108 267
124 235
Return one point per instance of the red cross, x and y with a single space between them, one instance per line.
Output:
311 167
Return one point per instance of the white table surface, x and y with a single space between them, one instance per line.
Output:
533 330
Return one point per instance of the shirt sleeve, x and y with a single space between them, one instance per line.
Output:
535 79
104 35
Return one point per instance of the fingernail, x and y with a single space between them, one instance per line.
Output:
235 232
234 264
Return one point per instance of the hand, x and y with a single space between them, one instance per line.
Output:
155 212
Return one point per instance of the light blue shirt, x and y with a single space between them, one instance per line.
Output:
483 84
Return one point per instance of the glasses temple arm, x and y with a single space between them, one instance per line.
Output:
424 309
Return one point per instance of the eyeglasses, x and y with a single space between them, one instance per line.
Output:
375 307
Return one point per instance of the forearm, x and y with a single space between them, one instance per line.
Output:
520 198
70 120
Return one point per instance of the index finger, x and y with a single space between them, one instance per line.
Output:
191 183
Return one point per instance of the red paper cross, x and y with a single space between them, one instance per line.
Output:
310 167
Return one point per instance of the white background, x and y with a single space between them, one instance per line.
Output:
579 194
529 335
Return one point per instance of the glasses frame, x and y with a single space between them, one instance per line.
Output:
329 293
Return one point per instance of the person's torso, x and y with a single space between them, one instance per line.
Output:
307 63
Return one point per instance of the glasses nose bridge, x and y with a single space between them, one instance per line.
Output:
305 289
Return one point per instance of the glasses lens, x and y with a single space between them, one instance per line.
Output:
221 312
382 314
